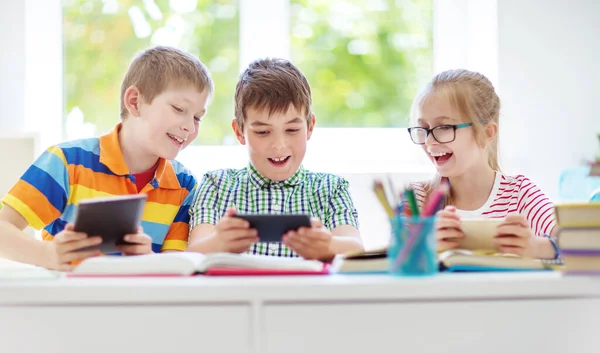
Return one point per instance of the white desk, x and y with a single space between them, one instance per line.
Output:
502 312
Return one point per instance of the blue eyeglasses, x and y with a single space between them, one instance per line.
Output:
442 133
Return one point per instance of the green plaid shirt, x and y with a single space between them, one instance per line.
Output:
321 195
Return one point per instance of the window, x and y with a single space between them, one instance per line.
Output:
365 60
116 31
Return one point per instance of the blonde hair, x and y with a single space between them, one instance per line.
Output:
155 69
474 98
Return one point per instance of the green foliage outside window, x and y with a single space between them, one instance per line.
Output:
365 60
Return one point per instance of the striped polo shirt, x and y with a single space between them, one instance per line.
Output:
321 195
510 195
49 191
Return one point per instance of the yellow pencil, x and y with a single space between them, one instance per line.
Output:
381 196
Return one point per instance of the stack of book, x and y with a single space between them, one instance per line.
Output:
579 236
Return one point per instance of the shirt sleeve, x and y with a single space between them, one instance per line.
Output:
206 206
420 195
178 235
341 206
537 208
41 194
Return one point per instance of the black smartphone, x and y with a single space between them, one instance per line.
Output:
271 227
110 218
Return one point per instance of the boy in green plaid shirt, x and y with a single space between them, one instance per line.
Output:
273 119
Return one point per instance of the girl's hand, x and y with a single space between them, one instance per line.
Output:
448 229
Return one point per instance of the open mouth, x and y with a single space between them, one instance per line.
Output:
441 157
279 161
178 140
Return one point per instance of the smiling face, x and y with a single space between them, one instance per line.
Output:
455 158
277 142
170 122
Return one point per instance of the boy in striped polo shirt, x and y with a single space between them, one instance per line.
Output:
273 119
164 96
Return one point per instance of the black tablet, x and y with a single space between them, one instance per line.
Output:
111 218
272 227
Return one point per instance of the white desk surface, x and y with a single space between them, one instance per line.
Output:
335 288
463 312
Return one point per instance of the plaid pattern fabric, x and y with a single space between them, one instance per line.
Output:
321 195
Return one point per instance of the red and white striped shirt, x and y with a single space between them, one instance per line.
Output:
510 195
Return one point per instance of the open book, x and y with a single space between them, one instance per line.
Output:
458 260
12 270
187 263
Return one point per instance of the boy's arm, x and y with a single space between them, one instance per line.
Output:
204 216
343 221
15 244
36 200
346 238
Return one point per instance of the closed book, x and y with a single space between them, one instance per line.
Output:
579 214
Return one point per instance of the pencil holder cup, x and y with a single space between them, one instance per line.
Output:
412 250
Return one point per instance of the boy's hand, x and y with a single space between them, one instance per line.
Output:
310 243
516 237
63 249
448 229
141 244
233 234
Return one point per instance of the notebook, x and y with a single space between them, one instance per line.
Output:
187 264
465 260
372 261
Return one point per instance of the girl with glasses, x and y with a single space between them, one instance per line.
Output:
457 119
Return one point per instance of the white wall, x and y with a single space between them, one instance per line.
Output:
31 69
12 66
548 75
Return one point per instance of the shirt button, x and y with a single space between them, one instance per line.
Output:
276 207
272 249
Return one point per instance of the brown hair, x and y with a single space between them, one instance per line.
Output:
155 69
272 84
473 96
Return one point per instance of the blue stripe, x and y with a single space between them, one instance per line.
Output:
90 145
46 184
55 227
156 247
54 166
156 231
86 159
187 181
185 177
183 214
69 213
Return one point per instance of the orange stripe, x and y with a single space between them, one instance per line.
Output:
167 196
47 236
111 184
165 174
37 201
178 231
110 152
